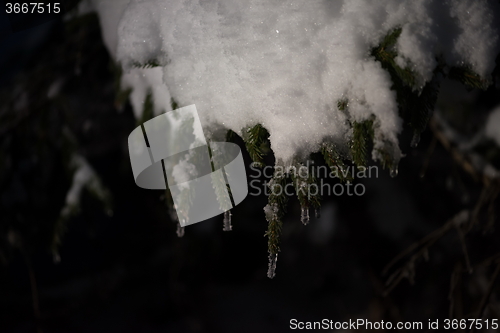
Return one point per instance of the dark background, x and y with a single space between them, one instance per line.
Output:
123 269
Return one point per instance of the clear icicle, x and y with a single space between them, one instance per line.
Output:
180 230
271 271
304 215
415 140
317 213
227 221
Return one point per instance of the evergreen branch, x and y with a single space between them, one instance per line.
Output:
420 108
256 143
230 136
303 185
274 228
342 104
416 106
385 53
334 161
385 159
220 187
388 155
362 135
174 103
147 110
222 190
148 64
391 38
466 76
275 210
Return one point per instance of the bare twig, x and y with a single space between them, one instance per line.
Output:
487 294
461 236
476 167
408 270
461 159
483 198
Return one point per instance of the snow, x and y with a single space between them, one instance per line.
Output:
84 177
493 125
142 82
285 64
110 13
184 171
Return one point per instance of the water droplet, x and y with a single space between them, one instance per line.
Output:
227 221
180 230
394 171
415 140
271 271
317 213
304 215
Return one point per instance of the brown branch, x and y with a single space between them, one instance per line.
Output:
455 153
460 157
408 270
487 294
428 240
461 236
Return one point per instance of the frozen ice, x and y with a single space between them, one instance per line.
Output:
271 270
227 221
304 215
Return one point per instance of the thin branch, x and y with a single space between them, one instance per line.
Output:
461 236
442 132
487 294
428 240
408 270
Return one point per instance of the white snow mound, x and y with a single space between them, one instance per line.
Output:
286 64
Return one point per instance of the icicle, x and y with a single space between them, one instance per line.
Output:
317 213
394 171
304 215
415 140
180 230
227 221
271 271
